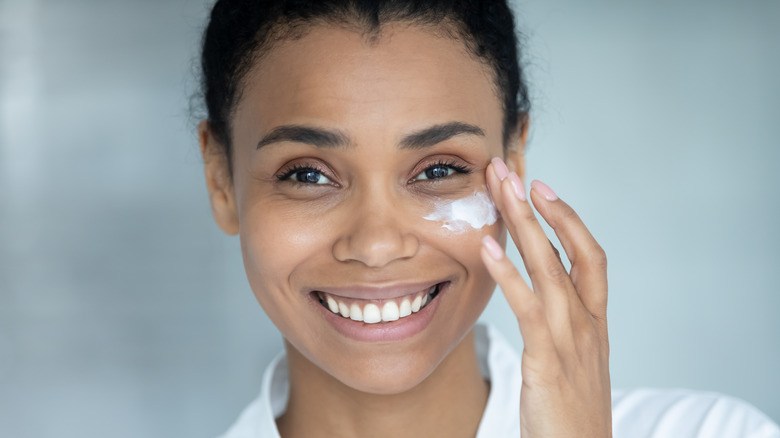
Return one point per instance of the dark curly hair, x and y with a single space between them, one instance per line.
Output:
240 32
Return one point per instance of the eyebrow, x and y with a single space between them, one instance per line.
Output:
329 139
437 134
305 134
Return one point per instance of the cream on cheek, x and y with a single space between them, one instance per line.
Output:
472 212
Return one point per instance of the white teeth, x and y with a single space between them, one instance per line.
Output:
355 313
405 309
371 314
415 304
390 311
344 310
333 305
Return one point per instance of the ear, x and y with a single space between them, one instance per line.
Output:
515 153
218 180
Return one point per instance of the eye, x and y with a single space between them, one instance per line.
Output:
305 175
439 171
435 172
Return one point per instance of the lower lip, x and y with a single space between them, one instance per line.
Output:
398 330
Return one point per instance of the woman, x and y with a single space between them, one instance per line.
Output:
369 154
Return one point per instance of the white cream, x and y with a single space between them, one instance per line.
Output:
472 212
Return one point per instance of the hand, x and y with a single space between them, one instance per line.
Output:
563 319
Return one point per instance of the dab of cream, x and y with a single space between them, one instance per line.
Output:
472 212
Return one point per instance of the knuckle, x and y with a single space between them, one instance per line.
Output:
553 269
598 257
509 271
513 277
588 341
531 314
569 215
526 215
534 312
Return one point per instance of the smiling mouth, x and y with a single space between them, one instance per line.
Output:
378 311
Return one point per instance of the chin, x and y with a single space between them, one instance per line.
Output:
387 375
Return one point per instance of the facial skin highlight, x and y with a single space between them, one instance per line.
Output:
341 146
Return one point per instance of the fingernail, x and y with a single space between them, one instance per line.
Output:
542 188
492 247
517 185
500 168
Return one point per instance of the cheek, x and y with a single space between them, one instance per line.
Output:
458 227
273 246
464 247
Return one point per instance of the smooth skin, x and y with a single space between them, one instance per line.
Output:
363 225
562 317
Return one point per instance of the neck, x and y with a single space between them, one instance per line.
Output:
448 403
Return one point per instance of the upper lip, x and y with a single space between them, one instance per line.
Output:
378 292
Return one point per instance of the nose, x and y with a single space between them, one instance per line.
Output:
377 233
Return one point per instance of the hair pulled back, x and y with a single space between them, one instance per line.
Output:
240 32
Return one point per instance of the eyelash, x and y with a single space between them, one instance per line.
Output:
290 171
458 168
285 175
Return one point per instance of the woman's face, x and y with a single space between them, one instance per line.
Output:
344 152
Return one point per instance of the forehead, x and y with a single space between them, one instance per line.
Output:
406 79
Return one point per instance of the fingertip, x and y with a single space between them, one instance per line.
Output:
500 168
544 190
491 180
517 186
492 248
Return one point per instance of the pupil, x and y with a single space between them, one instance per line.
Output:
309 177
436 172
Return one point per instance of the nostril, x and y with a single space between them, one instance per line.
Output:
375 246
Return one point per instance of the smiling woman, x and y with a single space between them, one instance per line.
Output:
361 150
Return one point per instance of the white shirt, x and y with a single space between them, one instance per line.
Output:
639 413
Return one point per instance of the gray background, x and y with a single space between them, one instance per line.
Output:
124 312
